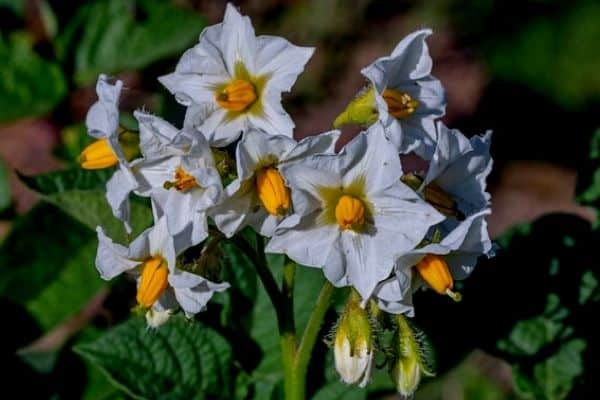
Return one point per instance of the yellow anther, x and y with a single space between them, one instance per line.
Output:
98 155
183 181
237 95
434 270
399 104
153 281
272 192
350 212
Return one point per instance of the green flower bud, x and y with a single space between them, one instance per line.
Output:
412 357
362 110
353 344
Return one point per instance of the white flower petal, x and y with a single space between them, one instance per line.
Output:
112 259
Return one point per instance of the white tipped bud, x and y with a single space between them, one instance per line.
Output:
353 346
155 318
412 357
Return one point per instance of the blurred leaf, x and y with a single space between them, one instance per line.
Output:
72 288
340 391
65 180
5 199
239 272
553 379
16 6
29 85
117 35
91 209
528 337
181 360
588 287
557 57
37 249
80 194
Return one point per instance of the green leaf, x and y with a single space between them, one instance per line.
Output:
37 249
91 209
529 336
340 391
72 288
180 360
5 199
30 85
118 35
70 179
588 287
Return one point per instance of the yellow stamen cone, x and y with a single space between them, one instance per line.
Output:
183 181
350 212
98 155
272 192
399 104
434 270
238 95
153 281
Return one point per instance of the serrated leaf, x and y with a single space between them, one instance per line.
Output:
180 360
118 35
30 85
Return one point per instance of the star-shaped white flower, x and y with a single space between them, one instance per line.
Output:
259 196
232 80
152 258
407 97
353 216
177 172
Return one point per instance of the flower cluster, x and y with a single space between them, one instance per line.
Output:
361 214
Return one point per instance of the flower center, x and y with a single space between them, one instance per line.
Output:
399 104
350 212
442 201
237 95
98 155
183 181
153 281
434 270
272 192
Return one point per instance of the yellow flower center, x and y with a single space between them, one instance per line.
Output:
237 95
350 212
153 281
435 272
399 104
98 155
272 192
183 181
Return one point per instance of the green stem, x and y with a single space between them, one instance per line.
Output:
308 341
262 270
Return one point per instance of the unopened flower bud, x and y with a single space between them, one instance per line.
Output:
435 272
353 345
362 110
412 357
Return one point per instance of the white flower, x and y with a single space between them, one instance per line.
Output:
259 196
408 98
152 257
236 79
459 168
459 250
177 173
353 217
102 123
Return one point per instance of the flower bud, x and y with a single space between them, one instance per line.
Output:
362 110
435 272
353 345
412 357
156 318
